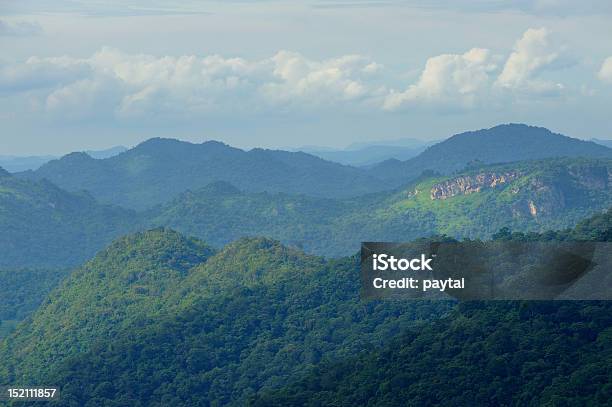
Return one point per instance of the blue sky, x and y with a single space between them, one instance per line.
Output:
79 75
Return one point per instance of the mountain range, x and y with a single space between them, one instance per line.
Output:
47 226
475 202
161 319
499 144
42 225
200 274
21 163
366 154
159 169
530 195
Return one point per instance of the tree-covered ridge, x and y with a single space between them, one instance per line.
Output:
511 354
42 225
22 290
551 353
157 310
121 285
160 319
499 144
158 170
220 213
542 195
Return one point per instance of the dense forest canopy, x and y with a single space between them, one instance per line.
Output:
45 226
160 319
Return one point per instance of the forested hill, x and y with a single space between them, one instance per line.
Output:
499 144
158 319
482 354
42 225
45 226
159 169
531 195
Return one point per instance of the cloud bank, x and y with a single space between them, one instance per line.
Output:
111 83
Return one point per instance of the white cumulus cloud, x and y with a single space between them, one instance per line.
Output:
319 82
477 78
605 73
111 83
449 79
533 53
130 85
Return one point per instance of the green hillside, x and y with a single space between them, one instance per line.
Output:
158 319
157 170
220 213
22 291
534 195
44 226
551 353
517 354
500 144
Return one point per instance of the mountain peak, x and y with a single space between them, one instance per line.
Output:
77 156
499 144
158 246
4 173
159 143
517 126
213 143
178 148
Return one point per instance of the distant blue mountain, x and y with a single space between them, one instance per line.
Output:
18 164
108 153
365 154
607 143
157 170
21 163
499 144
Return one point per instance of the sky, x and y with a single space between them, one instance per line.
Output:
79 75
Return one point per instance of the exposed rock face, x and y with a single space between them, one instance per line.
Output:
472 183
533 209
547 197
541 199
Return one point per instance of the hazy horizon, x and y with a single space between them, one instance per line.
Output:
91 75
319 147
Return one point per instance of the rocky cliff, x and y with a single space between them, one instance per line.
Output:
469 184
545 197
